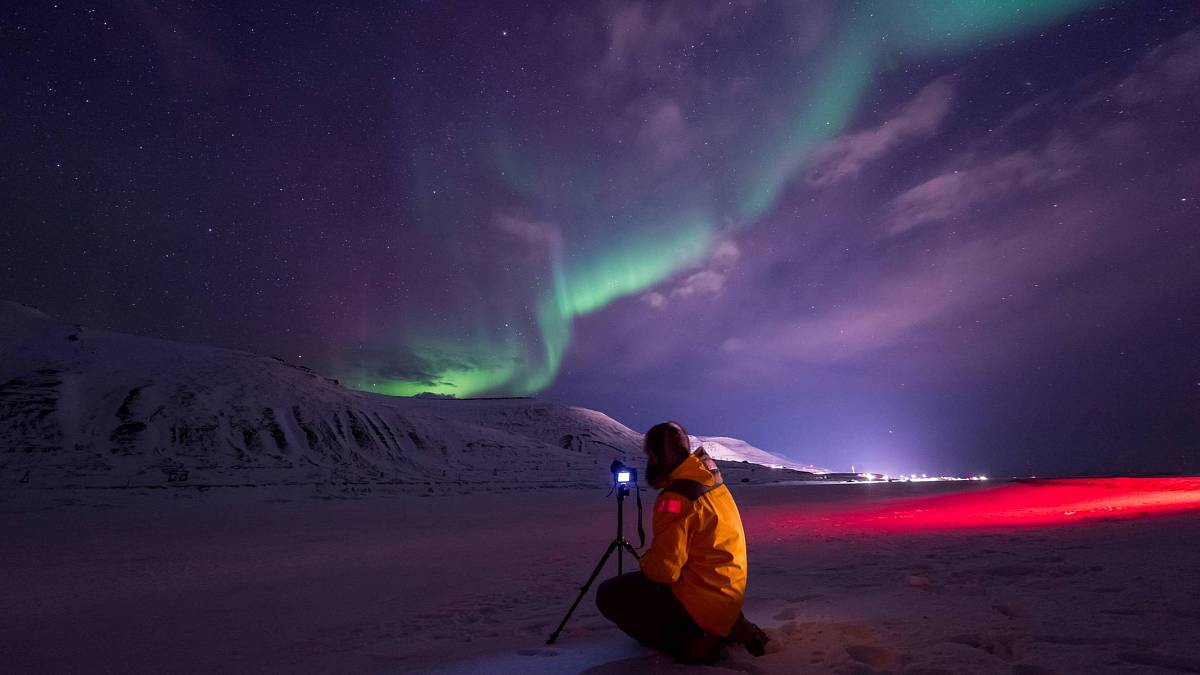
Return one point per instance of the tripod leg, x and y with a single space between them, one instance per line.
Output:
629 547
583 590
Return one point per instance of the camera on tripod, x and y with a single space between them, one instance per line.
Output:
623 476
624 480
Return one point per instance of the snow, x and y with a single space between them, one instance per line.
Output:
86 407
301 579
737 450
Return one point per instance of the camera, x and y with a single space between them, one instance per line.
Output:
623 476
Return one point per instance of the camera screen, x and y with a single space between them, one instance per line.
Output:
622 476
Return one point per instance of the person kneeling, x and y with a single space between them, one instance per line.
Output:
687 598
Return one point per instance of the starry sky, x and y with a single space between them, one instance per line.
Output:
944 237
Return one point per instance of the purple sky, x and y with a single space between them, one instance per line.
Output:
987 264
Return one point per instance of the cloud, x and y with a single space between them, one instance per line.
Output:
704 282
1030 211
725 253
655 299
538 236
665 132
653 41
635 35
657 127
1168 70
851 331
844 157
708 281
952 194
646 39
902 304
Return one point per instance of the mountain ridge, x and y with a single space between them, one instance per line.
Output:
87 407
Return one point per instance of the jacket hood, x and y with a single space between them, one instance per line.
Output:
698 467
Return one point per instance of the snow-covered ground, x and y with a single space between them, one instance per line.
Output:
180 508
987 578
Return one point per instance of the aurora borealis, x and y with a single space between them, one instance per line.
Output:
874 232
651 234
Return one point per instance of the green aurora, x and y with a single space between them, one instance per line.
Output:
596 264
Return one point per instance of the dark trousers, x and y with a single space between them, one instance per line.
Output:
648 612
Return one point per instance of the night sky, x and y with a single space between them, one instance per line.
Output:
909 236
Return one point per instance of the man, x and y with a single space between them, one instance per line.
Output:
687 598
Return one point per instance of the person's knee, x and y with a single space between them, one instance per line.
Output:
606 597
614 593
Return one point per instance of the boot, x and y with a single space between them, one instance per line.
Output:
749 636
703 650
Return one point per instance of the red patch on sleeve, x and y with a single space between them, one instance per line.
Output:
669 506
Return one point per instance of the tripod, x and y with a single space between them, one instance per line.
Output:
619 543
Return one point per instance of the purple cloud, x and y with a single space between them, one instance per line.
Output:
539 237
954 193
1026 211
846 156
1166 71
706 282
641 37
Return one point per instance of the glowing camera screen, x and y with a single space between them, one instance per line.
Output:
623 476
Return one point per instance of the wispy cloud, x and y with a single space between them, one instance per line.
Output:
657 127
1166 71
1028 207
707 281
844 157
643 39
1169 71
538 236
956 192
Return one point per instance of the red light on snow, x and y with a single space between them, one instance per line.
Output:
1043 502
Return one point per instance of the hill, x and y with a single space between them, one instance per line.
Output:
96 408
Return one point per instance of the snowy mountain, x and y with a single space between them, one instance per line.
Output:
96 408
737 450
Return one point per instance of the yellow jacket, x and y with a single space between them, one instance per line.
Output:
699 547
